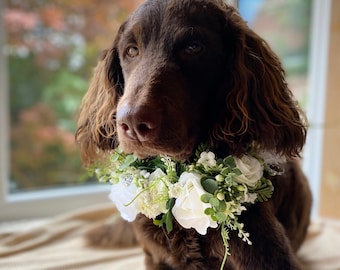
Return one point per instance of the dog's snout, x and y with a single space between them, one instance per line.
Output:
138 122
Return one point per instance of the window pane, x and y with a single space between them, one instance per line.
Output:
52 47
285 25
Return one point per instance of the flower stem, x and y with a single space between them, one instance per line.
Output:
225 238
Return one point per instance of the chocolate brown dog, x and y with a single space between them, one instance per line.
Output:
181 72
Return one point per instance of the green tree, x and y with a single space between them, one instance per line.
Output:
52 49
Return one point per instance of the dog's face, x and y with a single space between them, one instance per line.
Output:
172 68
181 72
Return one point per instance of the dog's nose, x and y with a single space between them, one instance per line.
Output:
138 122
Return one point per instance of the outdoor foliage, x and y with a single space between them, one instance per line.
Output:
52 48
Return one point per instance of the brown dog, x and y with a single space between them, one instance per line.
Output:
181 72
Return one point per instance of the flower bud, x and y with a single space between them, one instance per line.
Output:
220 196
219 178
241 188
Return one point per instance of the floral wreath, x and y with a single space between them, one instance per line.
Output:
208 193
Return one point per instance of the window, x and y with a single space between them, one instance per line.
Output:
49 49
299 32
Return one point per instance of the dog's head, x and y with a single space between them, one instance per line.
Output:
185 71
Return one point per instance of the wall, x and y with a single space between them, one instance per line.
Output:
330 186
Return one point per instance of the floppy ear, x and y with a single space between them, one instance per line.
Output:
96 122
259 107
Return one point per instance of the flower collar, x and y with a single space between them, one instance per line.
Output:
211 192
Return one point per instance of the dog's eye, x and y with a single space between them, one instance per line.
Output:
132 51
193 48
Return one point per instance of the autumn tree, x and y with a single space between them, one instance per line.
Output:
52 47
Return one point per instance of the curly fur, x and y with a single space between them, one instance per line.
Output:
181 72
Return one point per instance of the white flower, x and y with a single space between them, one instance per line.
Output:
271 157
249 198
152 202
189 209
273 162
122 194
158 173
251 169
207 159
175 190
145 173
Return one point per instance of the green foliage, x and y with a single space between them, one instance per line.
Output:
63 95
210 185
52 48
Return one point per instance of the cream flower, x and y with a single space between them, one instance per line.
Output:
122 195
207 159
175 190
189 209
249 198
251 169
152 202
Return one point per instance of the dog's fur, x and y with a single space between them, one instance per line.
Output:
181 72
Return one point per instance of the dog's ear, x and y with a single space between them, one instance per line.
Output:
96 122
260 107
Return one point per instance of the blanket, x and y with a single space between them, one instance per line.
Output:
60 243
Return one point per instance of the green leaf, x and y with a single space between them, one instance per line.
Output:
206 197
225 171
210 185
236 171
264 190
127 162
158 222
180 168
209 211
214 202
115 157
201 148
229 161
221 217
170 203
222 206
168 221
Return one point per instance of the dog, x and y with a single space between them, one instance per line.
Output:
181 72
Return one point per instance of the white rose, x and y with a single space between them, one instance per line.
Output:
189 209
122 194
251 168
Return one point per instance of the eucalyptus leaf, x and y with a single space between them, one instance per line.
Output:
222 206
206 197
209 211
214 202
220 216
210 185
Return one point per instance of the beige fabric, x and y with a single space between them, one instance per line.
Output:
59 243
321 250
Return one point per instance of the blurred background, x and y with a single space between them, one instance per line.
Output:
49 50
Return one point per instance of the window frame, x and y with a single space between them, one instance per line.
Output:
317 87
37 204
